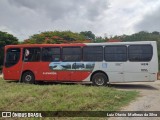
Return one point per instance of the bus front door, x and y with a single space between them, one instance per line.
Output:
12 64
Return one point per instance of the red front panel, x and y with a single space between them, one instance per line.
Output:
12 73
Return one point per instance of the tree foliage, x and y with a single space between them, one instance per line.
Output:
100 39
51 37
88 35
140 36
6 39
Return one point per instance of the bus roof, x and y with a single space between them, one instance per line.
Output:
80 44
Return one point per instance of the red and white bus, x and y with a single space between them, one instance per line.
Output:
99 63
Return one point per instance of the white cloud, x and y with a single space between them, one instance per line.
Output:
124 15
24 18
150 21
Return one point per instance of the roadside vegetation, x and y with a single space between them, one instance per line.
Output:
61 97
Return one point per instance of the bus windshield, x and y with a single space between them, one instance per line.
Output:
12 57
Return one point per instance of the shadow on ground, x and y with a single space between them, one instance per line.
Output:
134 86
125 86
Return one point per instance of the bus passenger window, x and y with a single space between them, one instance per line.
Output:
31 54
93 53
71 54
115 53
50 54
140 52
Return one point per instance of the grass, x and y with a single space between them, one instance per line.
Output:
61 97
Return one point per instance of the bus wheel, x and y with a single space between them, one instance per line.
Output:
99 79
28 77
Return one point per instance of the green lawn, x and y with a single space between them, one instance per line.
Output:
61 97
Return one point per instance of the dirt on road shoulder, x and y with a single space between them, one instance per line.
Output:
149 99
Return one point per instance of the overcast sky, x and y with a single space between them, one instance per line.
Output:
23 18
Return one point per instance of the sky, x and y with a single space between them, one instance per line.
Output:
23 18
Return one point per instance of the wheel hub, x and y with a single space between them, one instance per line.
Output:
99 81
28 78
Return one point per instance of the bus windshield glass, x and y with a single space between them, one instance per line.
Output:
12 57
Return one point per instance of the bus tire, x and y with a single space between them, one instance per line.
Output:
28 77
99 79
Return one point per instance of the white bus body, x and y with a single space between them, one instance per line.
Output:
99 63
129 71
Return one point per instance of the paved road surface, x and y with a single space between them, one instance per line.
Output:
149 99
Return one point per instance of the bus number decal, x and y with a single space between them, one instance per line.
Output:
144 64
144 70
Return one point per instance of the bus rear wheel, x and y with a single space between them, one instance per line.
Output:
99 79
28 77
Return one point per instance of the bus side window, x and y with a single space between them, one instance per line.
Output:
71 53
93 53
115 53
140 53
50 54
31 54
45 55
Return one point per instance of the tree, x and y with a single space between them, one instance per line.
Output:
99 39
155 33
88 35
52 37
6 39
